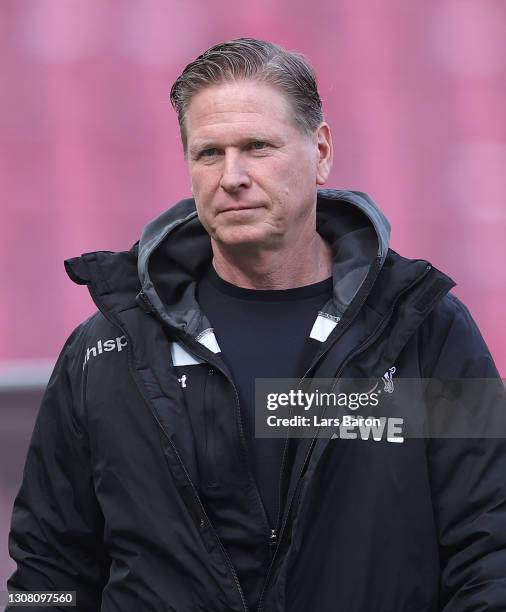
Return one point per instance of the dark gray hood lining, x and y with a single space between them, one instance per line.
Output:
175 250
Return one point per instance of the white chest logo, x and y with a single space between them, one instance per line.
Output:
182 380
388 380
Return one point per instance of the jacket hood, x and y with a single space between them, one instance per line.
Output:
175 250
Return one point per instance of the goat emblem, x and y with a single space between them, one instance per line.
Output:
388 380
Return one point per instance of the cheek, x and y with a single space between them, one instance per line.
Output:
296 183
303 181
295 170
203 190
278 176
196 182
293 185
202 184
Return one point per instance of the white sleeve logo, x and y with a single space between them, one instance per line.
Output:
105 346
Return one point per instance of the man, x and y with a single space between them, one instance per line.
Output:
145 487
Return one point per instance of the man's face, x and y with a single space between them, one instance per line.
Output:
254 173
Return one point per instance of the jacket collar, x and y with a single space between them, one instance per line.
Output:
160 273
174 251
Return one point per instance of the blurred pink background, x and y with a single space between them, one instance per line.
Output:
89 147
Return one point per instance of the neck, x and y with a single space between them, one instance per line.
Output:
286 268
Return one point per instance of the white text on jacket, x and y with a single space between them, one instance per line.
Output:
105 346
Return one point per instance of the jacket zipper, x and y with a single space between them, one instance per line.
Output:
269 530
312 365
273 533
210 451
204 517
361 347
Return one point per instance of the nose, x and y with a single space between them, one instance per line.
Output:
234 175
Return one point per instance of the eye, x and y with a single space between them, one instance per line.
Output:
258 145
208 153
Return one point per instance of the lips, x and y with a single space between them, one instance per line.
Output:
237 208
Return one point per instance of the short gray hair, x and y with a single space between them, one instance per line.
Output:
252 59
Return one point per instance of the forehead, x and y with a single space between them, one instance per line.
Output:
237 106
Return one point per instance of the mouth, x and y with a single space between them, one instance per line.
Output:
238 209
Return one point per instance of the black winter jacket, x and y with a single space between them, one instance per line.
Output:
137 492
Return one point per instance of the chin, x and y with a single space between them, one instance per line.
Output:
241 236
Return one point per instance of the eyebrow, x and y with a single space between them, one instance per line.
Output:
209 144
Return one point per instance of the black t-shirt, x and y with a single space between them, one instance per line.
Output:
262 334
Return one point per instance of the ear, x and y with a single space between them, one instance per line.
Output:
325 153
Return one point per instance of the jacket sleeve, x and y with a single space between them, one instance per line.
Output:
57 526
468 476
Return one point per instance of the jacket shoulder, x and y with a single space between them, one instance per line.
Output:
451 345
88 339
